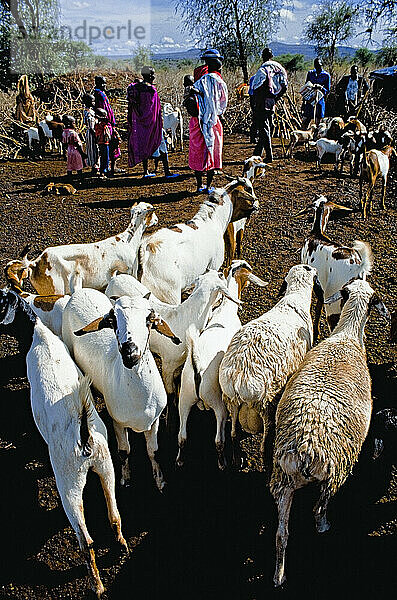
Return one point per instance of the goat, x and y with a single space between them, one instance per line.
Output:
170 259
374 163
348 153
172 121
335 264
301 136
65 416
373 140
265 352
325 145
120 364
48 308
195 310
335 128
63 269
242 91
206 348
323 416
254 168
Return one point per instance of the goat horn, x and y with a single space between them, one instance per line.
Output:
340 207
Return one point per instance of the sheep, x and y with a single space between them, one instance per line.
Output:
335 264
301 136
323 416
195 310
172 121
253 168
374 163
120 364
206 348
264 353
170 259
323 146
66 418
63 269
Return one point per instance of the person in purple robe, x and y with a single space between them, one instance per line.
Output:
102 101
145 122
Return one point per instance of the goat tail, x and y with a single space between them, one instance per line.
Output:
192 334
86 416
367 260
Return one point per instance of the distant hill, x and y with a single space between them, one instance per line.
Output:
278 48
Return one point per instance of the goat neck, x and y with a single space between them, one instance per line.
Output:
321 216
20 321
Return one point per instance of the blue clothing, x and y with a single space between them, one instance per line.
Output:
324 80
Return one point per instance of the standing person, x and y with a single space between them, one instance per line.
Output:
76 154
267 86
89 121
321 81
102 101
350 91
103 135
206 130
145 122
25 109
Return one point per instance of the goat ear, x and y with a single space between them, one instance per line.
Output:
304 211
282 289
147 296
156 322
105 322
257 280
380 307
342 294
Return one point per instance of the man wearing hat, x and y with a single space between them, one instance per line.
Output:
267 86
145 122
205 130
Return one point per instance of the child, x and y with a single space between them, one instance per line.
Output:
76 154
114 151
90 139
103 135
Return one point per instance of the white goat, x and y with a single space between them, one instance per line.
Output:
195 310
323 146
63 269
265 352
206 348
120 364
323 416
172 121
335 264
65 415
170 259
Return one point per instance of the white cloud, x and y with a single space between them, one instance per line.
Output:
297 4
281 38
167 40
309 18
286 14
81 4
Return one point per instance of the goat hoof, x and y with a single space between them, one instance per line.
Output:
323 527
125 482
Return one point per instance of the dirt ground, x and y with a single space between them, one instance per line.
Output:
211 534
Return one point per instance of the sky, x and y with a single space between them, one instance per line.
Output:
117 28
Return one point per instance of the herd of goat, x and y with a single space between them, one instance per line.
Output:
103 309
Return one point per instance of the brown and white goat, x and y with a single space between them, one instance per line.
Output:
301 136
375 163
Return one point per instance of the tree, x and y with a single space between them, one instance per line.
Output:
333 23
237 28
381 14
388 55
292 62
363 57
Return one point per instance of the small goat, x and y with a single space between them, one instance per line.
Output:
375 163
65 415
324 146
120 364
304 136
173 123
323 416
335 264
63 269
